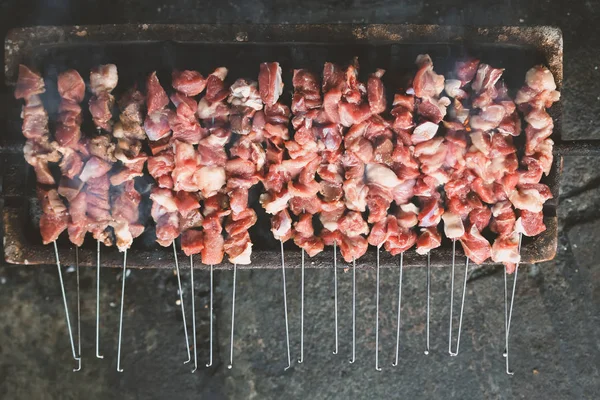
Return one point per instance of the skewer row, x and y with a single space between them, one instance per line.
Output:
344 159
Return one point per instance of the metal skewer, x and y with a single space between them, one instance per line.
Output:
64 296
508 371
505 312
399 308
287 332
78 307
353 311
377 317
119 369
210 359
98 300
301 359
232 320
193 313
451 297
428 296
187 340
335 304
462 307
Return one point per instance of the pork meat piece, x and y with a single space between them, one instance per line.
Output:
101 146
352 224
383 230
274 202
530 223
431 213
281 226
156 98
353 247
210 179
432 109
126 202
103 79
190 83
167 228
216 91
407 216
51 226
55 216
244 94
453 225
186 202
35 119
539 90
193 219
131 105
331 215
376 92
465 70
100 107
311 205
239 249
270 82
94 168
164 198
213 251
503 218
98 207
307 93
352 114
428 239
238 200
400 242
506 249
184 125
71 164
527 199
71 86
486 78
480 217
476 247
426 82
192 242
69 188
378 203
304 227
313 245
208 110
355 194
161 164
29 83
156 125
424 131
241 225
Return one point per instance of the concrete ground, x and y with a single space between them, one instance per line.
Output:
556 323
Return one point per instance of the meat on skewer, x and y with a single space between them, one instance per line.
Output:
342 159
103 80
427 87
279 178
164 166
309 135
186 128
39 150
537 95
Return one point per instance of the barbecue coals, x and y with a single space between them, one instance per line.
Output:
339 164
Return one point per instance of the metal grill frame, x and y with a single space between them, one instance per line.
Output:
22 43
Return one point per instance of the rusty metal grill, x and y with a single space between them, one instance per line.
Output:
139 49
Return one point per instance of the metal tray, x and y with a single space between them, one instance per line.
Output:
142 48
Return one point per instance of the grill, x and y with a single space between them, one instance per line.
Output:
139 49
